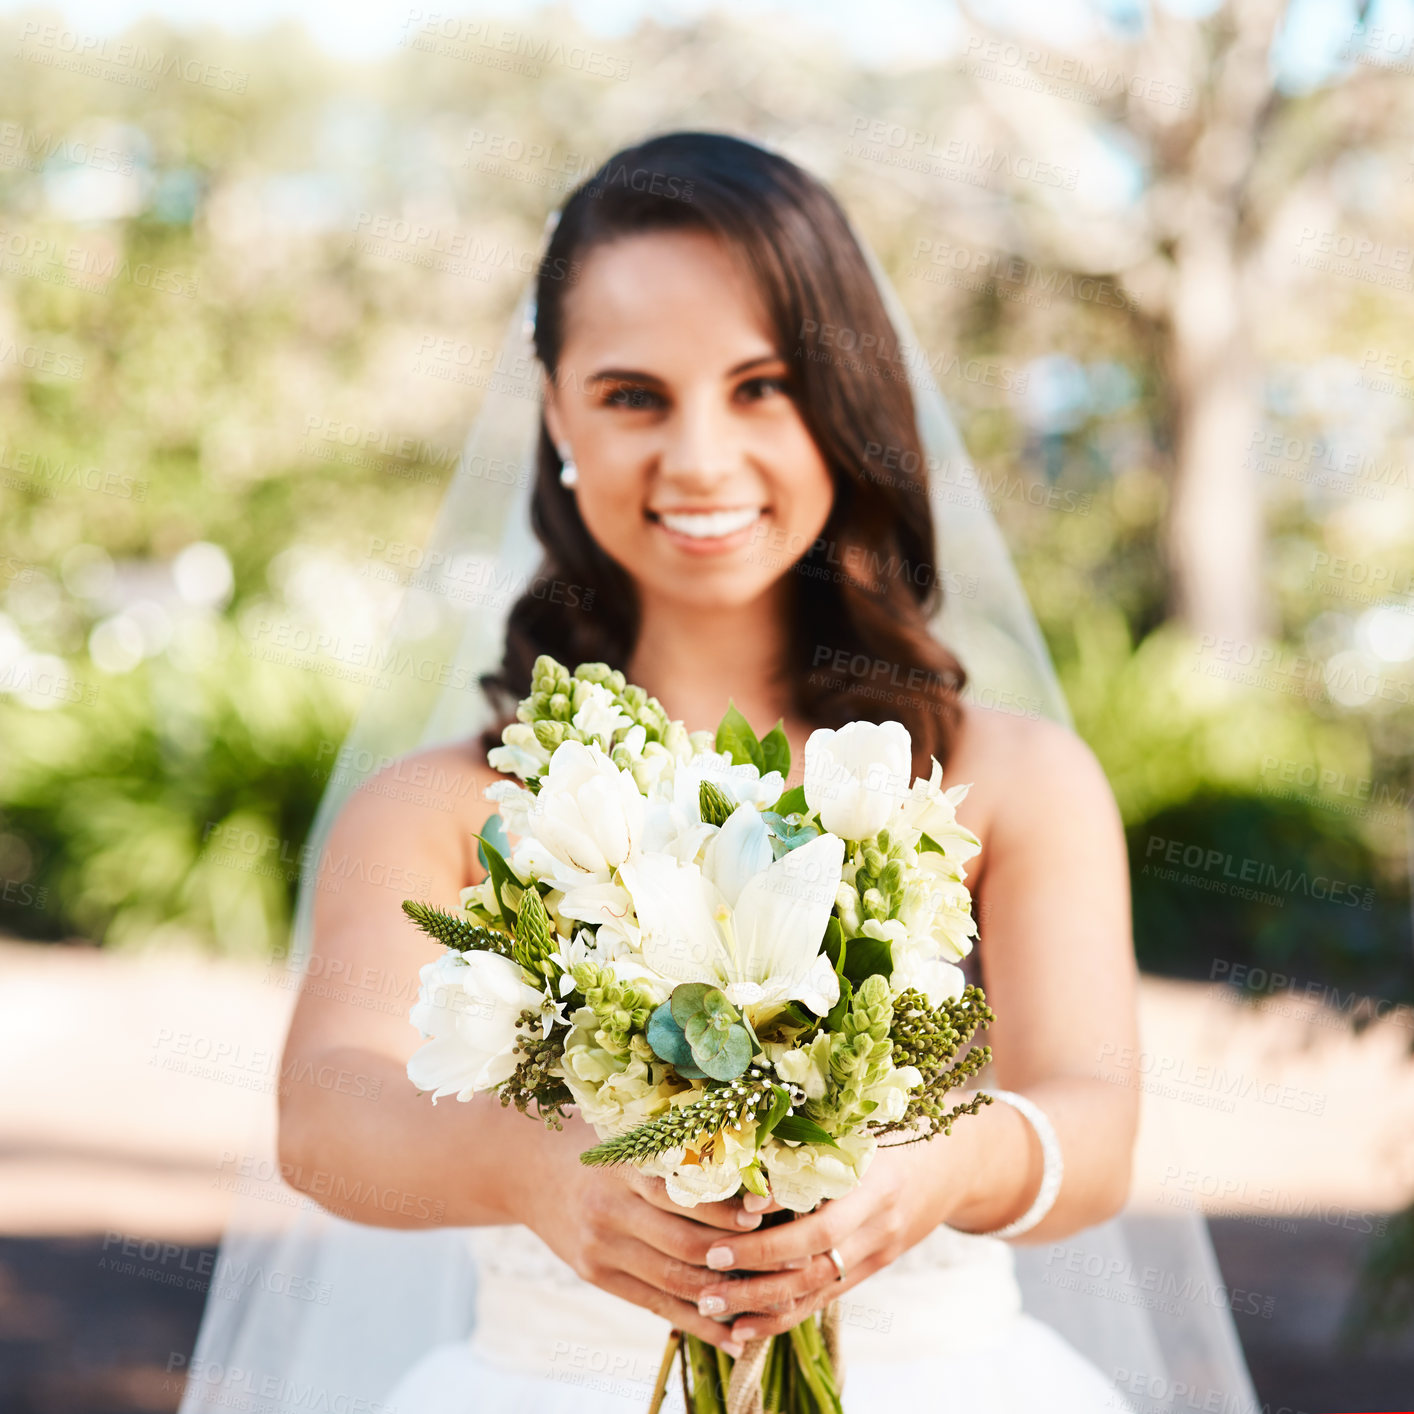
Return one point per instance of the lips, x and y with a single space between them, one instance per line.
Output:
708 525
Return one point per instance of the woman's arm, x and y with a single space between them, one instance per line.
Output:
374 1150
1052 898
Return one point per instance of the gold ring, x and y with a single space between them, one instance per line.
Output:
834 1255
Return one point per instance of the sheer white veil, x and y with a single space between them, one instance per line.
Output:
310 1312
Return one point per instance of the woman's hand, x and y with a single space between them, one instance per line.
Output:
619 1230
902 1198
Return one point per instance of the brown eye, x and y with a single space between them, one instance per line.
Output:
629 397
762 387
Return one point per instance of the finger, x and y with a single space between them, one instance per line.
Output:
773 1293
675 1237
683 1280
774 1322
773 1248
679 1314
728 1214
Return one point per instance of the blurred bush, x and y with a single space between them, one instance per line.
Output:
219 407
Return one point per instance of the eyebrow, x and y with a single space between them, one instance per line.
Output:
626 375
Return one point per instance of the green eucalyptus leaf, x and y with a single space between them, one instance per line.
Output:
733 1058
803 1131
702 1036
775 750
687 1000
736 739
666 1038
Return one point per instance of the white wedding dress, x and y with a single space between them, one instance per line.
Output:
941 1329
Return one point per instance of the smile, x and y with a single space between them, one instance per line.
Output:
708 525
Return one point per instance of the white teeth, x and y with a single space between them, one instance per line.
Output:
709 525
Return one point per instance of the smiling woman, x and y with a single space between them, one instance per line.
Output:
723 450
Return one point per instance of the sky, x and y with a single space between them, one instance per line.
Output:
883 32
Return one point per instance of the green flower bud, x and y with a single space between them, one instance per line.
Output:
550 734
714 803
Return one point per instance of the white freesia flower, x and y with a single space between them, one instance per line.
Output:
520 752
937 905
857 777
597 713
808 1066
803 1174
614 1093
717 1174
588 815
739 921
891 1093
468 1004
930 810
940 981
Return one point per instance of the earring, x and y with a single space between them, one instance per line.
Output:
569 472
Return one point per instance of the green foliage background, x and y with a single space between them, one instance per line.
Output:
252 369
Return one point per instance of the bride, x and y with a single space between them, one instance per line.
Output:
733 503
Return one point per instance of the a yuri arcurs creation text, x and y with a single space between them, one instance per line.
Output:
741 987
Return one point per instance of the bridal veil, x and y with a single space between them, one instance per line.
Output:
308 1312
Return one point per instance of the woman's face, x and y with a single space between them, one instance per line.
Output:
696 471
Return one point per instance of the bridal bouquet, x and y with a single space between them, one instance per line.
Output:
741 987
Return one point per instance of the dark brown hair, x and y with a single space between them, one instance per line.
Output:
863 593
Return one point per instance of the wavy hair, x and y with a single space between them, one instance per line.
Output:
865 590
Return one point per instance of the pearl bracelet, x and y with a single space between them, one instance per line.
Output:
1053 1166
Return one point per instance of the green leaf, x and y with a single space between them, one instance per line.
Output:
501 875
803 1131
833 945
780 1108
865 957
793 802
928 845
668 1042
688 999
775 750
733 1058
495 830
736 739
834 1018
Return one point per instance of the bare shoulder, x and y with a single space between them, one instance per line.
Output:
1024 765
432 798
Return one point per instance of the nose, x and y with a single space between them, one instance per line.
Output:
700 447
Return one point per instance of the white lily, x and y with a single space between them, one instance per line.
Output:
740 921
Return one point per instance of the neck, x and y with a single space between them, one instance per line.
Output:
693 659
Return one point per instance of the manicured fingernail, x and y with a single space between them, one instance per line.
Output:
748 1219
755 1203
711 1306
721 1258
743 1333
733 1349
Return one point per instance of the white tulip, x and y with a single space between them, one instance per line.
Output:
588 815
468 1005
856 778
